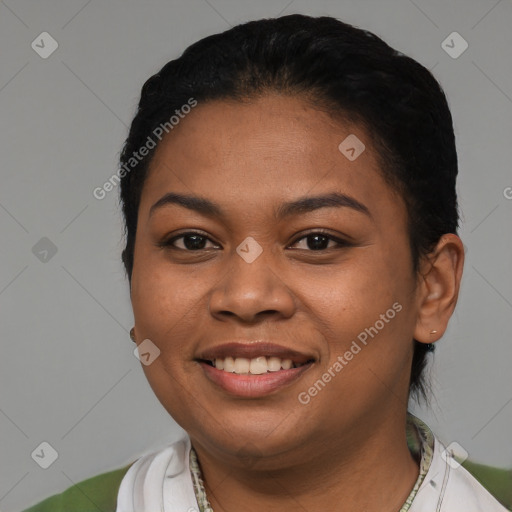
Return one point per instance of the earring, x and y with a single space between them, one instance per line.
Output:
430 346
132 335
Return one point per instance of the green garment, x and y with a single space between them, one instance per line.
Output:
95 494
99 493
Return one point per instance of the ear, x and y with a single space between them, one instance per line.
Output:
438 288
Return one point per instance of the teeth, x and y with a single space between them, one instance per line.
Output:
229 364
274 364
242 365
286 364
256 366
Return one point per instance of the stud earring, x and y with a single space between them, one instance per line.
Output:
132 335
430 346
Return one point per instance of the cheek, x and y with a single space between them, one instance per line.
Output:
167 315
173 388
354 293
161 296
364 308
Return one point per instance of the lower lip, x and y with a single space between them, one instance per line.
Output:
253 386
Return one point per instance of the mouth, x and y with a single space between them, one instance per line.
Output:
253 369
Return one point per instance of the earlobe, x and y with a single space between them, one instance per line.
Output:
438 288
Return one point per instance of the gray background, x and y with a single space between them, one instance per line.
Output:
67 369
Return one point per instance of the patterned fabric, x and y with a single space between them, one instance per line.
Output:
197 480
420 441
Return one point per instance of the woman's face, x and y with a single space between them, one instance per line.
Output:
256 280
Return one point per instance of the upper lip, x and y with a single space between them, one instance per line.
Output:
253 349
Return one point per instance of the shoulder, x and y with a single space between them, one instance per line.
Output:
466 486
488 480
96 493
452 484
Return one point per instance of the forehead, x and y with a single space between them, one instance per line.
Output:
264 150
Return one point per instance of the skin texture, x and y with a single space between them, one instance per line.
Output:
347 446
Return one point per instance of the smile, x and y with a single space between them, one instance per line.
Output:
253 368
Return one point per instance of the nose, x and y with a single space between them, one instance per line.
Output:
252 291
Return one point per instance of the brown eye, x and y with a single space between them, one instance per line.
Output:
191 241
319 241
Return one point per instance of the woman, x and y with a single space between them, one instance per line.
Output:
288 190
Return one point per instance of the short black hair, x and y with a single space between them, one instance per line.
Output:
348 71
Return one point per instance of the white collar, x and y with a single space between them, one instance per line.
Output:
161 482
448 487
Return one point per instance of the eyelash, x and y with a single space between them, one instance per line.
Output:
341 243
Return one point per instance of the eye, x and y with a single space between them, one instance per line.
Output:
192 241
319 241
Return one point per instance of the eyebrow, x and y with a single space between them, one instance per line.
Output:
299 206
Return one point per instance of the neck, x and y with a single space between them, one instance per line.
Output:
377 475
